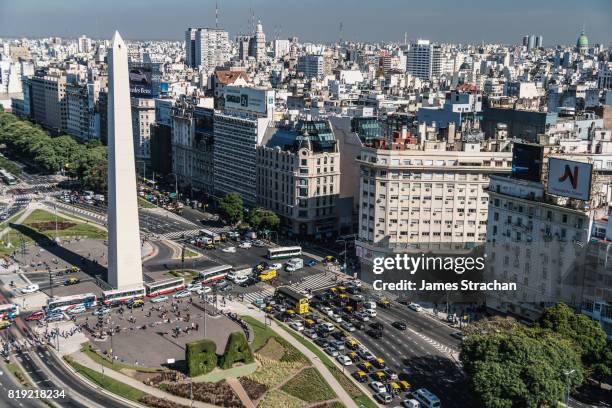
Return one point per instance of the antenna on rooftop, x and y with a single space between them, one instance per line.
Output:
341 31
216 14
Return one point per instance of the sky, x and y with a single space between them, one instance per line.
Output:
458 21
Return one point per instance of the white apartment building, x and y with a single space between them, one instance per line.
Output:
84 45
424 60
143 116
424 197
206 47
312 66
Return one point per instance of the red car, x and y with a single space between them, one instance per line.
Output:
35 316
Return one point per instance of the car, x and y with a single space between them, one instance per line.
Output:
182 294
203 290
159 299
458 335
245 245
77 309
378 387
193 287
321 342
339 335
337 344
336 318
30 288
348 327
365 354
377 326
101 311
331 351
259 244
359 325
383 397
370 312
399 325
39 314
134 303
375 334
5 324
229 250
311 263
362 316
276 266
344 360
297 326
328 327
71 281
392 375
326 310
223 286
240 280
54 317
415 306
411 403
311 334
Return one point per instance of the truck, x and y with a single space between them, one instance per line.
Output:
268 274
239 274
294 264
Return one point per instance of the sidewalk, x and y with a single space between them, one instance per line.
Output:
344 397
82 359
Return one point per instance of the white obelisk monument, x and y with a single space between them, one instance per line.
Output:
124 254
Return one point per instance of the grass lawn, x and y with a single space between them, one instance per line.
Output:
106 382
188 274
39 226
355 392
18 374
261 331
91 353
145 204
278 399
309 385
190 254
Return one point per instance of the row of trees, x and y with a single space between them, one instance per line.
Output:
52 154
512 365
231 207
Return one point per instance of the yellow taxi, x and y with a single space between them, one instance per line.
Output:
365 366
405 385
4 324
379 362
351 343
395 388
353 356
360 376
379 376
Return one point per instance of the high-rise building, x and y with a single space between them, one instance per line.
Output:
539 42
48 102
206 47
312 66
531 43
124 252
84 45
242 42
281 48
424 60
257 44
143 117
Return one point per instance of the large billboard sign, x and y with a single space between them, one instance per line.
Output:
141 82
568 178
527 161
248 99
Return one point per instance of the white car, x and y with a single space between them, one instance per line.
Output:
311 334
54 317
370 312
30 288
101 311
378 387
204 289
297 326
326 310
194 287
344 360
336 318
411 403
77 309
245 245
276 266
241 279
159 299
415 306
182 294
229 250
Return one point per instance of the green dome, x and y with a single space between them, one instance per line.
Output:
583 41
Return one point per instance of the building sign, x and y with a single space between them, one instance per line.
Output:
527 161
248 99
569 178
141 82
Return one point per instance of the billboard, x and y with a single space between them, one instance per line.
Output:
527 161
569 178
141 82
248 99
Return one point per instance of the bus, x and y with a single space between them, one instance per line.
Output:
68 302
215 273
165 286
284 252
123 295
296 301
7 177
216 238
9 311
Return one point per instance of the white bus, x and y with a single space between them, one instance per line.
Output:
9 311
215 273
165 286
7 177
68 302
123 295
284 252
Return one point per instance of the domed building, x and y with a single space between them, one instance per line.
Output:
582 44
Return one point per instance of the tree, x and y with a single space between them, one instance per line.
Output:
201 357
520 367
585 332
236 350
232 207
261 218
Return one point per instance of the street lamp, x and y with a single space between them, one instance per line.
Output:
175 185
567 376
344 241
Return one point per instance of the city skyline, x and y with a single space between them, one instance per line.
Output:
443 21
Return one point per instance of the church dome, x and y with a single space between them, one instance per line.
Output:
583 41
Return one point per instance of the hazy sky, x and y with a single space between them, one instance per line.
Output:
506 21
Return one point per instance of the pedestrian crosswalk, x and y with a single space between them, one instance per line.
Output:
78 210
312 282
170 214
251 296
180 234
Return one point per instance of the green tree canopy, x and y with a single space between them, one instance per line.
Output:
232 207
261 218
520 367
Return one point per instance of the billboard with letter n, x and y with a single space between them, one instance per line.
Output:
568 178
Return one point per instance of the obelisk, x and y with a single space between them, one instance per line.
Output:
124 255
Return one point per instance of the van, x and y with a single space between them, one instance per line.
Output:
294 264
427 398
370 312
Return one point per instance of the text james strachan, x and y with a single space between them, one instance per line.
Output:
424 285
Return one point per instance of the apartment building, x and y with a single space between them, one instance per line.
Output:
424 196
78 113
48 100
298 177
143 117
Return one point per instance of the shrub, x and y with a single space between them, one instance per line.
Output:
201 357
236 350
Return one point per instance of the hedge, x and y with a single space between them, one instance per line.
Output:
201 357
236 350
